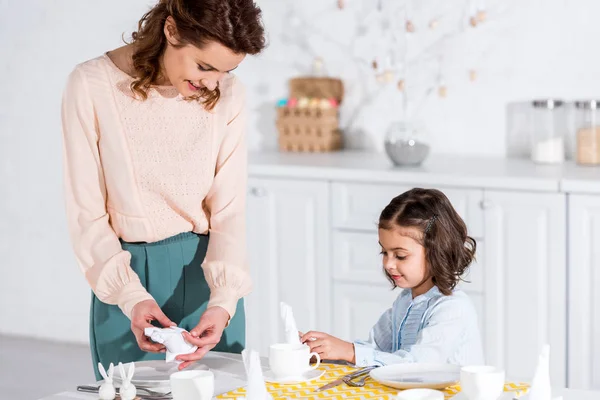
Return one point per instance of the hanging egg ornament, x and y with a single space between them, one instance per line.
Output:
473 21
374 64
388 76
400 85
442 91
410 27
433 24
341 4
481 16
472 75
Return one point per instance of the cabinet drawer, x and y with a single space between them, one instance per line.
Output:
358 205
357 259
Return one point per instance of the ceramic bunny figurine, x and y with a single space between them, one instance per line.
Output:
107 390
127 390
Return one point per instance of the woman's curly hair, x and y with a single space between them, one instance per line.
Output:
236 24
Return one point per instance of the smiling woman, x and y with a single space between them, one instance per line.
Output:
155 175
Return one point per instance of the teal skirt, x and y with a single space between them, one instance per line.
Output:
171 272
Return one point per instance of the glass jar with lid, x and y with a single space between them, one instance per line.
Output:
548 131
587 132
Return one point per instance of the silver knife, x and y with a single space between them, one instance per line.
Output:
341 380
145 395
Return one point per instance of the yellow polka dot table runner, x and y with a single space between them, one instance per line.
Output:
371 390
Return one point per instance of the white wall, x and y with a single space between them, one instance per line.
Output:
550 52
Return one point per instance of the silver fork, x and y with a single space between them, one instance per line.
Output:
360 382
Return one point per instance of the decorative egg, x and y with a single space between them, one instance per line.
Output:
292 102
314 102
282 102
333 102
303 102
325 104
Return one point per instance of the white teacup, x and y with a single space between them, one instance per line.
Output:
192 385
291 360
482 382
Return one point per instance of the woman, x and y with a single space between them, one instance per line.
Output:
155 173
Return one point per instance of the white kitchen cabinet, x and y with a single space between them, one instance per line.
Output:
584 295
525 281
312 223
358 205
358 307
288 253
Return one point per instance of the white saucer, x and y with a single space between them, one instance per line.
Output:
503 396
308 376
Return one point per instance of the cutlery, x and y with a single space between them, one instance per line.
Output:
146 394
347 378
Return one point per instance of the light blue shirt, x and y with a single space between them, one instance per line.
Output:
431 328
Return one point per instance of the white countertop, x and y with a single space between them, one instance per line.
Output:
437 170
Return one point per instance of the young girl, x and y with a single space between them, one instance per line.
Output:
425 250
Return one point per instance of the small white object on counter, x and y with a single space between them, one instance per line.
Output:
291 329
549 151
173 340
107 389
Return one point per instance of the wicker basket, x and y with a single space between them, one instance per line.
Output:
311 129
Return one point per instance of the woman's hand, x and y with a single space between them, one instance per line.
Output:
329 347
206 335
142 314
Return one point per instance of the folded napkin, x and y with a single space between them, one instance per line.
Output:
256 389
289 323
540 388
172 339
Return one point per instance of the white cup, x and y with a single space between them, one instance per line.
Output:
482 382
192 385
291 360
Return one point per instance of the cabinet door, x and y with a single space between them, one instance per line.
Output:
525 281
584 295
358 307
288 244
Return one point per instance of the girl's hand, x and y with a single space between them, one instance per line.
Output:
329 347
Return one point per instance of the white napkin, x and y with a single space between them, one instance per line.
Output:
540 384
172 339
256 389
289 323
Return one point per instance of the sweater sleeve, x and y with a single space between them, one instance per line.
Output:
97 248
225 266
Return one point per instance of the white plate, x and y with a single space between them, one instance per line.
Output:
503 396
155 373
410 376
308 376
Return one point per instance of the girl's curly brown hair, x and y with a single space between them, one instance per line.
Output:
236 24
448 249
